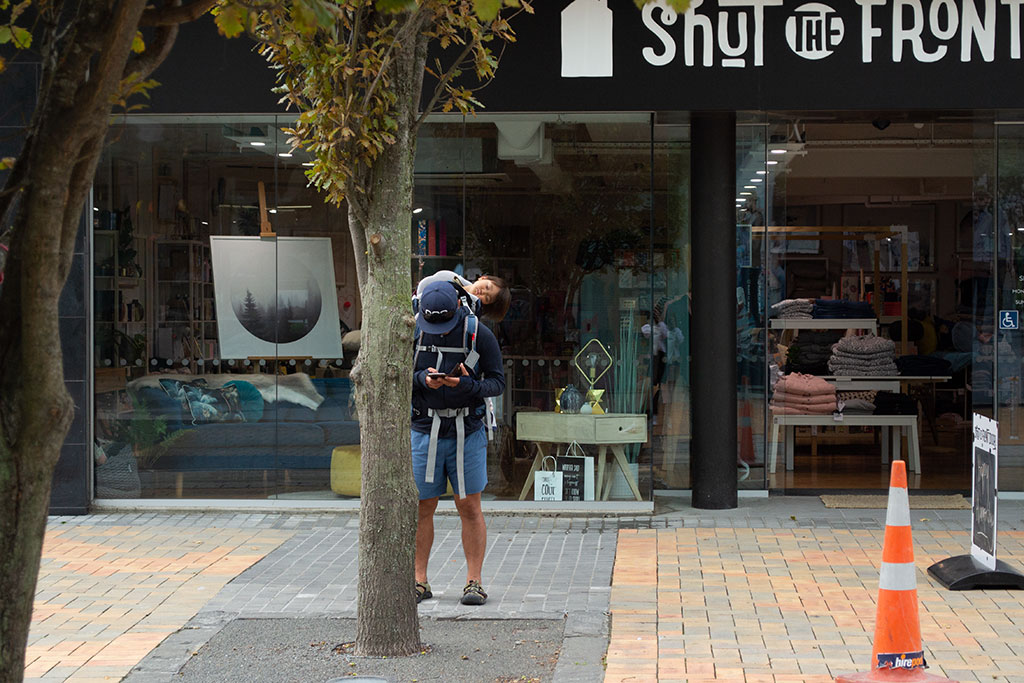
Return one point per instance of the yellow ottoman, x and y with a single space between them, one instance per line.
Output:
346 471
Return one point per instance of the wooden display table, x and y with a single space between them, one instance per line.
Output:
903 422
609 431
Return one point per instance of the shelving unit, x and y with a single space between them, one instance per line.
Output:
185 322
530 382
119 296
826 324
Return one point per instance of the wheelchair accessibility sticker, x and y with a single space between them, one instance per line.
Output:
1009 320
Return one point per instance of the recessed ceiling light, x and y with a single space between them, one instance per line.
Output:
749 194
271 210
307 163
258 144
757 180
762 172
749 187
778 151
204 222
286 155
771 162
418 209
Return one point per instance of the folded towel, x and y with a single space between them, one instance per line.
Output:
865 344
818 409
807 385
802 400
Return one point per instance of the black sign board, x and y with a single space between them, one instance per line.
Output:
600 55
983 493
577 477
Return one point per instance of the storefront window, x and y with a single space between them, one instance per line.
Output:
583 215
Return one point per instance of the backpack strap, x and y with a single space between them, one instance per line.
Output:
469 332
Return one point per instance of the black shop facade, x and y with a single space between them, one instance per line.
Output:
769 244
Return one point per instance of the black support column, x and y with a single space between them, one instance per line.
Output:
713 326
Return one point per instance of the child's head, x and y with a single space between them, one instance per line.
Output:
494 296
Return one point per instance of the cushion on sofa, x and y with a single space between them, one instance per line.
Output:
249 398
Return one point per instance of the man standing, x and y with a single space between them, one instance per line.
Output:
457 365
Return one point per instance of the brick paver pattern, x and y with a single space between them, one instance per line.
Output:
747 604
107 595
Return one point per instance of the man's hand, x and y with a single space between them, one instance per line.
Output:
446 381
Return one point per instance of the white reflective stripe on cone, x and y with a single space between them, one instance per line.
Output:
898 576
898 512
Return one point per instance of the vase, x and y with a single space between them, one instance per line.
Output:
571 399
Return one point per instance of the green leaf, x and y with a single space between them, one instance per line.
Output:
677 5
6 163
5 34
138 44
394 6
22 38
230 20
487 9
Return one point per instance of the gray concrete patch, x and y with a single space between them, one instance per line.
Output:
307 650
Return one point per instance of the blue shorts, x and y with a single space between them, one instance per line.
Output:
474 464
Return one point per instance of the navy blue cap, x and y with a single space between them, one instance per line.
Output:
439 306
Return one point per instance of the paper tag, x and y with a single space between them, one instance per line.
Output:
837 416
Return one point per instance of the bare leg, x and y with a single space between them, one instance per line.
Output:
425 536
474 534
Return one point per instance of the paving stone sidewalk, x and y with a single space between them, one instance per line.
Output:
698 595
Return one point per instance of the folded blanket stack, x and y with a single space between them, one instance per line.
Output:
863 355
923 366
793 309
810 351
856 402
890 403
842 308
800 394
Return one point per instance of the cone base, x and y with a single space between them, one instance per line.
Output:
893 675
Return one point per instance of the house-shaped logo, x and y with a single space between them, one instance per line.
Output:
587 39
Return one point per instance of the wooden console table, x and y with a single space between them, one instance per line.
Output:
608 431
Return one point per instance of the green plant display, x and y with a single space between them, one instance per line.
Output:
629 386
149 436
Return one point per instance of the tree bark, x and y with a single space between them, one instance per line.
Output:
80 77
387 618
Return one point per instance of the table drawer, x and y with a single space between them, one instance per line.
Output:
621 429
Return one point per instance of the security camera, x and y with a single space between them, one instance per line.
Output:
881 124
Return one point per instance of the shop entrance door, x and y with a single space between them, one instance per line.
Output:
1007 261
870 216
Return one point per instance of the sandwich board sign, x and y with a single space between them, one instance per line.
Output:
980 569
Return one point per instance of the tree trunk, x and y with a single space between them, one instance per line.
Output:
388 622
54 174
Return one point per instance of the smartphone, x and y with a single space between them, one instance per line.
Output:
456 372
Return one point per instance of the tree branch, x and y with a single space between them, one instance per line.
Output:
443 81
147 62
174 15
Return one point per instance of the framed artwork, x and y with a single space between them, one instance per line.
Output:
275 297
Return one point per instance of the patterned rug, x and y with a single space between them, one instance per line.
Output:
881 501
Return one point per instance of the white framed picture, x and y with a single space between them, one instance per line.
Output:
275 297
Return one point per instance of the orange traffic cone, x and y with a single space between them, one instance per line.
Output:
897 654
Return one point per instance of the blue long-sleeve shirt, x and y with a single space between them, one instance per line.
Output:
487 380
